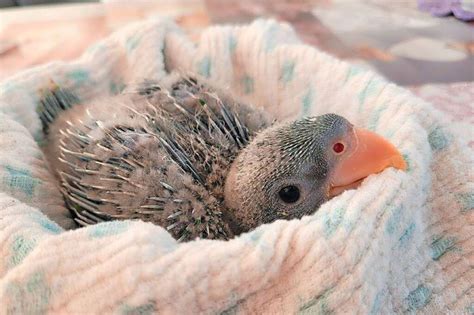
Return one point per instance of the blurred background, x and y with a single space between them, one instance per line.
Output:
425 45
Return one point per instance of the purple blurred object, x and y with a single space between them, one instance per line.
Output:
462 9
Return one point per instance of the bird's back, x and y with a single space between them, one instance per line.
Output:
155 154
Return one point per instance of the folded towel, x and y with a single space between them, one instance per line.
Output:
402 242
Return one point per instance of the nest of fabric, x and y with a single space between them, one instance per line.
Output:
401 242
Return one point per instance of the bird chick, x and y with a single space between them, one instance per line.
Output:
192 159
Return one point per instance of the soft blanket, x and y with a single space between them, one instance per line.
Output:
402 242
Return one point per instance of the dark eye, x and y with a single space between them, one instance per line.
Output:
289 194
338 147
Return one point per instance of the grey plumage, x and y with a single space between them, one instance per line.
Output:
192 159
294 153
162 157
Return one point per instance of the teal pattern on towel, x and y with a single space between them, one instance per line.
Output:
204 67
108 228
287 71
79 77
333 220
467 201
438 139
248 84
418 298
147 308
20 179
29 297
20 248
307 102
441 245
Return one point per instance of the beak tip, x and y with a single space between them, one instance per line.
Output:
399 163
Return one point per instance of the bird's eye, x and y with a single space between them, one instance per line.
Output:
338 147
289 194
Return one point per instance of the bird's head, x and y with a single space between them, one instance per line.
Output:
290 169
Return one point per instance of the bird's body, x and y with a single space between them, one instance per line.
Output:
187 158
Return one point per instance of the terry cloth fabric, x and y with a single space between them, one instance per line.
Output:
402 242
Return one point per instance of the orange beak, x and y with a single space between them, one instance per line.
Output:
372 155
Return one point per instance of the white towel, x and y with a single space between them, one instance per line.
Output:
402 242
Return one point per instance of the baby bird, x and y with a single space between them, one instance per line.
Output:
190 158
